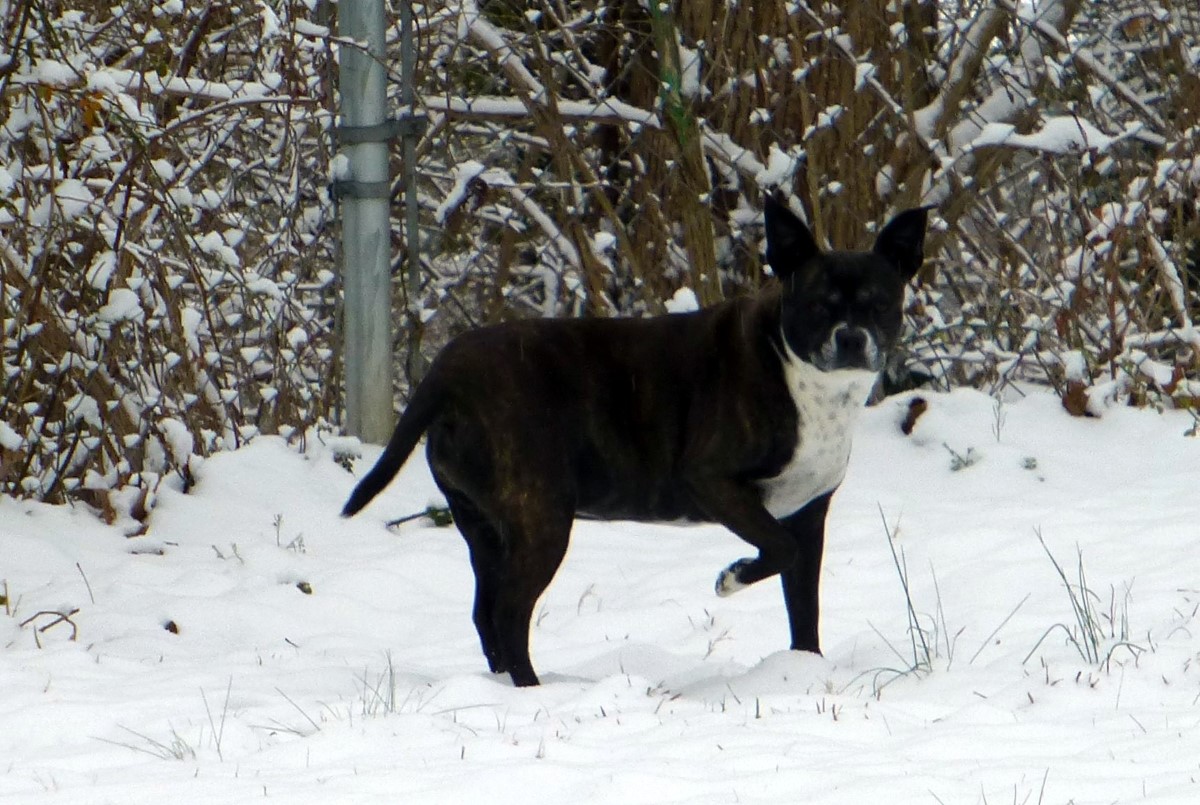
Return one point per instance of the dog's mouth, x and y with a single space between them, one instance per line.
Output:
840 362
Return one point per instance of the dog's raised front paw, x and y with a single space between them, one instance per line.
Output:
727 579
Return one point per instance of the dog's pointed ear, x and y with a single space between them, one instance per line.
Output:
789 243
902 241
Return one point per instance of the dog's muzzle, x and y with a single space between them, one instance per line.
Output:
850 348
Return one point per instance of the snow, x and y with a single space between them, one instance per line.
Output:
9 438
97 149
163 169
73 198
271 25
863 71
682 301
179 439
728 152
317 660
1058 135
81 407
603 242
780 168
603 110
464 173
296 337
123 305
1075 366
308 28
214 244
190 320
885 181
102 268
118 81
53 73
691 62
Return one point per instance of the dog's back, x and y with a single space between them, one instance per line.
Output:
622 406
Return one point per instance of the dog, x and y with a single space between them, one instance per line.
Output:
739 414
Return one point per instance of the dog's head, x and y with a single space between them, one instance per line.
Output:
843 310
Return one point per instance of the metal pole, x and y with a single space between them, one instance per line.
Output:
366 270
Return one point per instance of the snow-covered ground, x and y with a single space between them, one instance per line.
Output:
368 685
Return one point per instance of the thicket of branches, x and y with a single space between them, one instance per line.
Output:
167 240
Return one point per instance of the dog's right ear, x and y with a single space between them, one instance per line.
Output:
789 243
902 241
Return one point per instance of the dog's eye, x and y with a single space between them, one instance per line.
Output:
877 302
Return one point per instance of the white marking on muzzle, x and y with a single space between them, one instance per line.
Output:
829 350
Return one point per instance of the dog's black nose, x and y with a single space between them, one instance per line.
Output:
850 341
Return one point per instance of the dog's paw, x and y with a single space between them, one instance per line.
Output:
727 579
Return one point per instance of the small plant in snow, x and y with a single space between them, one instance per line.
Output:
960 461
174 747
295 546
999 417
345 459
46 619
233 548
1096 635
716 641
1193 409
929 635
377 696
590 592
218 726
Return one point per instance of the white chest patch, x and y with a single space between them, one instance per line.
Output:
827 405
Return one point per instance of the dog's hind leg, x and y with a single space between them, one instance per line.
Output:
487 553
801 582
535 530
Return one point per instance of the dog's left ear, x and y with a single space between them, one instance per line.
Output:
789 243
902 241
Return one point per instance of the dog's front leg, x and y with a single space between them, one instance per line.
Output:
738 507
801 581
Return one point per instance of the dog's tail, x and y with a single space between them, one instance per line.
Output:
425 402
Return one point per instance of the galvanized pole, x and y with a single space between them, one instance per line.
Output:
366 270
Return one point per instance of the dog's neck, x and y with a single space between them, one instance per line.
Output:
839 387
827 405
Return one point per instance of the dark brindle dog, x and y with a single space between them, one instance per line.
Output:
739 414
